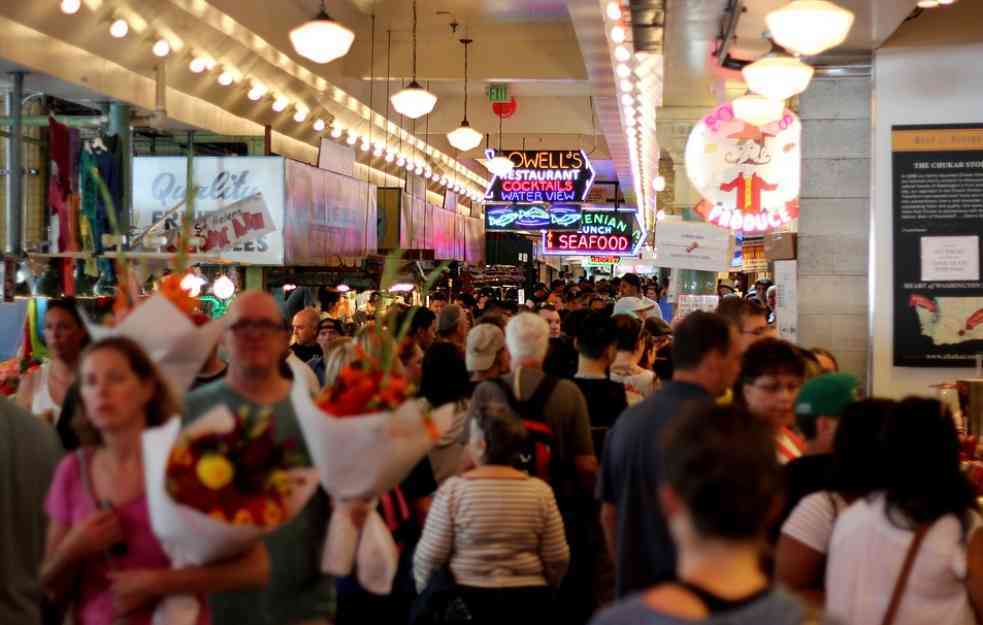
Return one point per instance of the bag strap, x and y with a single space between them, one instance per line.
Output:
83 460
542 394
506 389
909 562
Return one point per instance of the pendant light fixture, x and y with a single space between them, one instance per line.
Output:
778 75
322 39
758 110
414 101
500 165
465 137
808 27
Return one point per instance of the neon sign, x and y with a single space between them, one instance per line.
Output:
749 176
604 233
553 176
536 217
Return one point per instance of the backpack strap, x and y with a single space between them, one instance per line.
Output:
506 389
540 397
909 562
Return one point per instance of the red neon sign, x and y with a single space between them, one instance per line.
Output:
577 243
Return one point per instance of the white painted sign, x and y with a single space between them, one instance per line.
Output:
787 299
693 245
685 304
159 184
946 259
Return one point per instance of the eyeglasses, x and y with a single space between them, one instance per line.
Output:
759 331
264 327
773 388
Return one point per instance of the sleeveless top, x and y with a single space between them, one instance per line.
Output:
41 402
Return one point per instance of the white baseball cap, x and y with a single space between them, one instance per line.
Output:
632 306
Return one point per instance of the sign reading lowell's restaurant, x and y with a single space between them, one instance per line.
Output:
535 217
553 176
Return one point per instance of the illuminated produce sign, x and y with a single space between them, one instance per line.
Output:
605 233
553 176
536 217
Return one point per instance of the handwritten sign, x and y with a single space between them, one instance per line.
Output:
246 220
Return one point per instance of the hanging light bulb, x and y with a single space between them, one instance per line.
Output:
618 34
626 85
928 4
336 132
70 7
500 165
322 39
622 70
352 138
377 152
809 27
191 284
464 137
365 145
119 29
758 110
621 54
778 76
224 287
418 170
280 104
401 161
198 64
226 78
659 184
257 92
390 157
413 101
613 11
318 125
161 48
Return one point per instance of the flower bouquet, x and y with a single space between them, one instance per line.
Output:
167 326
215 488
365 435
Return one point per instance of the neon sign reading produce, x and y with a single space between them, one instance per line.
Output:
553 176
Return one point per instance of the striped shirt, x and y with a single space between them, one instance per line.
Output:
495 533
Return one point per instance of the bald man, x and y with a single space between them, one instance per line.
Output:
304 327
256 342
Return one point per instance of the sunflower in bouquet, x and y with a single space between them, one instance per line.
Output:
240 476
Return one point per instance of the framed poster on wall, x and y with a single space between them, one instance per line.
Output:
938 240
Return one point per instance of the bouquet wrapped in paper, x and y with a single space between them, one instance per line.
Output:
168 326
365 435
215 488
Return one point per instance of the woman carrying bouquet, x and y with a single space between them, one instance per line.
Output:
497 528
102 556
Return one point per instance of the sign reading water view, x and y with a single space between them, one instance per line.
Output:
602 233
553 176
535 217
749 176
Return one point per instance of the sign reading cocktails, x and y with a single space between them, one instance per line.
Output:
553 176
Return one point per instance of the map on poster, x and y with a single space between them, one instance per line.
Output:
949 320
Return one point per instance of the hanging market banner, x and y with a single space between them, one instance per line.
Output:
536 217
748 176
693 245
938 243
554 176
159 184
601 233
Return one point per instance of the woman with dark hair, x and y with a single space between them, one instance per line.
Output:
772 372
911 549
498 529
857 470
100 544
445 380
43 391
719 485
631 347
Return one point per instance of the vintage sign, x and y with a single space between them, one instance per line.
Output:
749 177
159 184
693 245
605 233
246 220
535 217
554 176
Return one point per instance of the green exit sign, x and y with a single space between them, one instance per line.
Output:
498 93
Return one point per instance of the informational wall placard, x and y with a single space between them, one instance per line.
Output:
159 184
553 176
603 233
685 304
787 299
938 227
693 245
534 217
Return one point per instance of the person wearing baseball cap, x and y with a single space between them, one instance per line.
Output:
818 408
485 355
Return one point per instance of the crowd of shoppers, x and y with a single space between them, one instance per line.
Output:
605 460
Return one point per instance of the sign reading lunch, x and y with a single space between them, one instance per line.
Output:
553 176
749 176
607 233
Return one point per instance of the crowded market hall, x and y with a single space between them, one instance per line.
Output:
484 312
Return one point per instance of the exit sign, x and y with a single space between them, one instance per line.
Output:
498 93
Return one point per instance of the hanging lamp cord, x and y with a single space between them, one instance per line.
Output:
466 42
414 40
389 45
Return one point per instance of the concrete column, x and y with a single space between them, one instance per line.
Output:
835 217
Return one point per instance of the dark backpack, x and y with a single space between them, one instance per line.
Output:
536 458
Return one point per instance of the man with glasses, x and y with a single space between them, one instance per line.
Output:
256 342
748 317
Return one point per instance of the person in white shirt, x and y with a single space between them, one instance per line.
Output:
631 345
856 470
927 514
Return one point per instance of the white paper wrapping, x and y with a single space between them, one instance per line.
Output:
177 346
190 537
363 457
